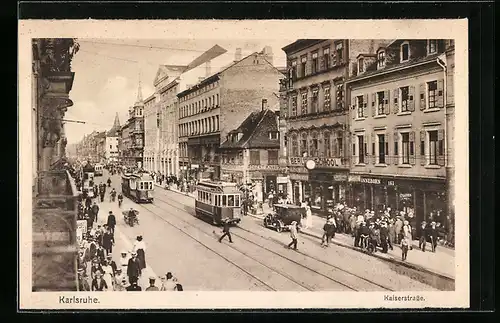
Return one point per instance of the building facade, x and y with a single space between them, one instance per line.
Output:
151 134
250 154
211 108
398 129
317 118
112 142
54 244
135 130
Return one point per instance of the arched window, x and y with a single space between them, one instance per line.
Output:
327 144
314 144
303 144
295 145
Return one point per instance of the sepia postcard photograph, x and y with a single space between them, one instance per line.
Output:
288 164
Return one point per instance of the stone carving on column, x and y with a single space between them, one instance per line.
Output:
52 125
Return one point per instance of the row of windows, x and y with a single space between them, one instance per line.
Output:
202 126
403 100
316 144
199 106
320 61
206 88
431 148
221 200
183 149
319 101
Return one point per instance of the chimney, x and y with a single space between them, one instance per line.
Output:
237 55
264 104
268 54
208 69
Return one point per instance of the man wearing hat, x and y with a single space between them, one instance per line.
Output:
98 283
432 232
225 231
134 287
152 287
293 235
423 236
133 268
111 222
123 260
385 241
119 277
112 263
83 283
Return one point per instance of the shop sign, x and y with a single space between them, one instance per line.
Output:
195 166
370 180
282 180
354 178
405 196
299 177
256 175
340 177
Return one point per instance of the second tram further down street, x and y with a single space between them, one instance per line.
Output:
218 201
138 187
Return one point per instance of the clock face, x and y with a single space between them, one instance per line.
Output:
310 164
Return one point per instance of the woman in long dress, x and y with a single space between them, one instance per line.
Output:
308 217
140 249
107 275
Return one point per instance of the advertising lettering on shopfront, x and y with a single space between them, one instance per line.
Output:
340 177
282 179
370 180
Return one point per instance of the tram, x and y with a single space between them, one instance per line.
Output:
88 173
219 201
138 187
98 169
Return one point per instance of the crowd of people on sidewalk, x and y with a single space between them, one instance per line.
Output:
97 270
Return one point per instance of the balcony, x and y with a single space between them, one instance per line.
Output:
55 246
321 162
318 115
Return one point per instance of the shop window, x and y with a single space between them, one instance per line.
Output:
317 196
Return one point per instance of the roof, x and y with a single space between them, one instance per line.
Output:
255 129
113 132
301 44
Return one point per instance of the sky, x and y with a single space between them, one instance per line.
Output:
107 74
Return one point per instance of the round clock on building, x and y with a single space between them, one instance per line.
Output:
310 164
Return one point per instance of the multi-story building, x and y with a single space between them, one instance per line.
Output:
151 133
317 124
136 132
211 108
100 143
112 137
125 145
399 128
250 153
54 239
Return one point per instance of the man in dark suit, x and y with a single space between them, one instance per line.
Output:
227 226
133 268
111 222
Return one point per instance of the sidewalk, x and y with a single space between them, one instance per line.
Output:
173 190
441 263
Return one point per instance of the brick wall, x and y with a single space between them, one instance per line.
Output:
242 88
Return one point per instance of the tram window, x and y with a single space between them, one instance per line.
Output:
199 195
217 200
237 200
210 199
224 202
150 185
230 200
142 185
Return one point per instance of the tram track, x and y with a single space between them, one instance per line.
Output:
330 266
268 286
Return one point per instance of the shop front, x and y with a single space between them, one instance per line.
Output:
420 199
325 186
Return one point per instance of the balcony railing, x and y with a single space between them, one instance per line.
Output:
55 247
328 162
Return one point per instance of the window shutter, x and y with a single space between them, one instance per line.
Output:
353 107
412 147
374 100
423 159
395 96
421 96
411 98
353 159
440 94
365 105
396 150
441 152
372 144
387 96
387 145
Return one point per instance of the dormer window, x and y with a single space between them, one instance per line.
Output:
361 65
239 136
381 59
273 135
405 52
431 46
